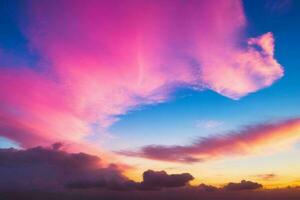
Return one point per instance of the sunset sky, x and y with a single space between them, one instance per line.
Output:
205 87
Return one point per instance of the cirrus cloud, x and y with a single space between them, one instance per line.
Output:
105 58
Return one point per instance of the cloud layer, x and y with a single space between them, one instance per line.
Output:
248 140
102 58
174 194
52 169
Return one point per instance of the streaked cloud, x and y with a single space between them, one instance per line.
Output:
266 177
248 140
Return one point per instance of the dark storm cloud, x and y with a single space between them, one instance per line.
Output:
50 173
243 185
152 180
160 179
53 169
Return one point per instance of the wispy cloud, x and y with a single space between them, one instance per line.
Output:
107 57
266 177
209 124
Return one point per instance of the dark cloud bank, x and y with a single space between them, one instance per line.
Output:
42 168
50 173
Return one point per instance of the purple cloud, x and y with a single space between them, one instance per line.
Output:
247 140
243 185
160 179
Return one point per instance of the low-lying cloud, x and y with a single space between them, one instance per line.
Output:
243 185
160 179
52 169
207 188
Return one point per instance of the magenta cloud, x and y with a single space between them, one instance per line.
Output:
100 59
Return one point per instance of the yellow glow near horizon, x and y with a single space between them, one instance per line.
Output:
219 172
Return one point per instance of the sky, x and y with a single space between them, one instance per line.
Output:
206 90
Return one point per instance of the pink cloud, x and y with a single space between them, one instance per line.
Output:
108 57
237 72
249 140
